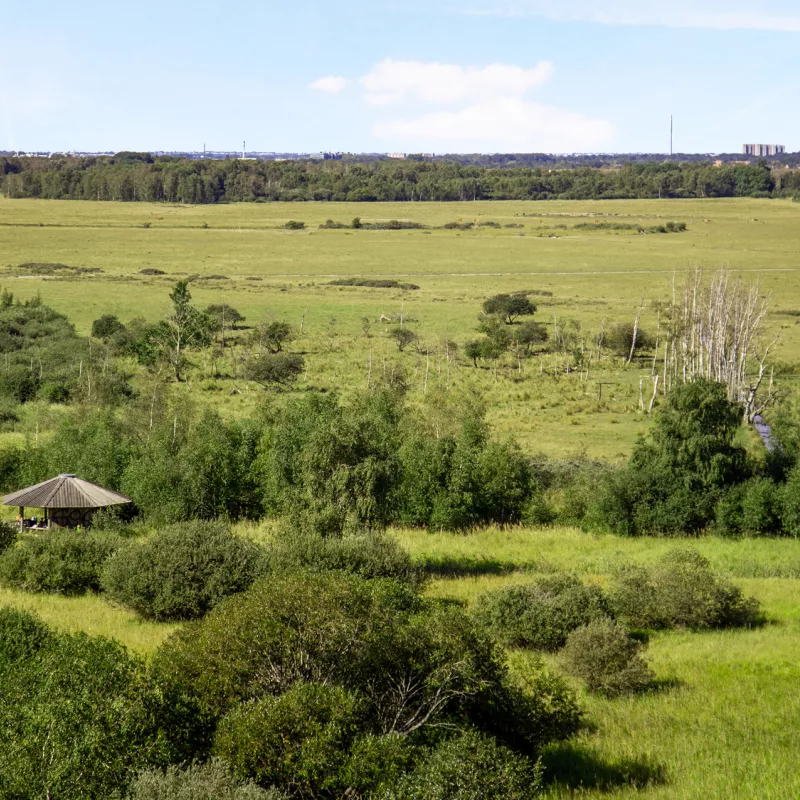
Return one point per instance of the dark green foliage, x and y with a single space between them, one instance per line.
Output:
297 741
681 591
619 338
790 503
106 327
752 508
541 614
529 176
458 478
370 554
79 718
674 480
59 561
294 225
8 535
605 656
330 466
275 369
182 571
273 336
22 636
210 781
369 637
403 337
469 767
194 467
509 306
373 283
223 317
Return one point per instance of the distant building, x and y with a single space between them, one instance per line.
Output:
762 150
326 156
395 155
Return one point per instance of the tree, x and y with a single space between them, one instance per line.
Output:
222 318
528 334
183 328
509 306
274 336
106 327
275 369
403 337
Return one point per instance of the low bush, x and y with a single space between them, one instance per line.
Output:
78 718
295 742
294 225
469 767
542 614
681 591
607 658
58 561
210 781
370 554
8 535
420 666
752 508
21 635
182 571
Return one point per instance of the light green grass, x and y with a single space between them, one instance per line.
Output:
725 723
596 277
93 615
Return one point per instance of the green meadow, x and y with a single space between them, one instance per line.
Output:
723 722
242 255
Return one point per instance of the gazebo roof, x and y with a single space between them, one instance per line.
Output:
65 491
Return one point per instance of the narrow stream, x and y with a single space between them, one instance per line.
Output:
764 431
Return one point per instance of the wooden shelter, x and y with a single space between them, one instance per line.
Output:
67 501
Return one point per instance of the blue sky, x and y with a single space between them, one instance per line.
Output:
385 75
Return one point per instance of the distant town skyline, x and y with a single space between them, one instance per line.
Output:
460 76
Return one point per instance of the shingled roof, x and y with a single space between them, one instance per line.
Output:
65 491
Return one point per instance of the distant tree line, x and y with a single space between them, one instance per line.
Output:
140 177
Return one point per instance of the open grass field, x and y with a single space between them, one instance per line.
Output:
245 258
723 723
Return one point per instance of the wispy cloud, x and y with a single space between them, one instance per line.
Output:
331 84
777 15
391 82
432 105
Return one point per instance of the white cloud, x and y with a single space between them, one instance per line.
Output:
331 84
503 124
392 82
777 15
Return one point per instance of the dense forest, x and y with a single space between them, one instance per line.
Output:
141 177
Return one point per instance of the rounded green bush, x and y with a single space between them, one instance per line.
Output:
182 571
542 614
681 590
8 535
369 554
59 561
469 767
607 658
297 741
22 635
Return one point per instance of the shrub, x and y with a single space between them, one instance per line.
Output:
210 781
790 503
369 554
79 719
275 369
681 590
182 571
607 658
8 535
22 635
294 225
542 614
469 767
59 561
750 508
106 327
369 637
295 741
